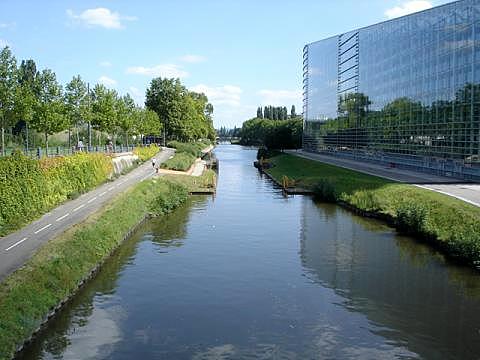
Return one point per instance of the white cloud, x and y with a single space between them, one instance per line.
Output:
220 95
137 95
105 80
193 58
105 63
408 7
280 97
163 70
102 17
7 25
3 43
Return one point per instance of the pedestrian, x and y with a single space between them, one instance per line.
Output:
154 161
80 145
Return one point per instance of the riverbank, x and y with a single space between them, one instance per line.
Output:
35 292
448 223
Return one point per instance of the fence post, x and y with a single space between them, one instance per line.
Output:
39 153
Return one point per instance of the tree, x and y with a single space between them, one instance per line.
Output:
26 95
125 111
50 109
77 105
164 96
104 115
259 113
8 83
292 112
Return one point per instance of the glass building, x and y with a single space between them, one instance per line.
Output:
405 92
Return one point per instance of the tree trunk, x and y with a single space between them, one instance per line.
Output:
126 138
46 144
3 140
69 139
26 130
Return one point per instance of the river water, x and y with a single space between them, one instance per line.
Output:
250 273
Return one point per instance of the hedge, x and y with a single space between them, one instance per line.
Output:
29 188
146 152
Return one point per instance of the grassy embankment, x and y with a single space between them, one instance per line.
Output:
185 155
55 271
449 223
205 183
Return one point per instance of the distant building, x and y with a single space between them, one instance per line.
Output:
405 92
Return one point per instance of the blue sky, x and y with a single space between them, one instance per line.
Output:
242 54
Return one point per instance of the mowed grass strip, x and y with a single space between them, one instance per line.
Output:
55 271
451 223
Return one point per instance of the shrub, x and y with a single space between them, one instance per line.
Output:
366 200
30 187
146 152
194 149
324 190
412 218
267 154
166 202
180 161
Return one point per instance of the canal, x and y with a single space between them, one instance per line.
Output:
250 273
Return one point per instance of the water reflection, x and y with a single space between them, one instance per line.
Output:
405 288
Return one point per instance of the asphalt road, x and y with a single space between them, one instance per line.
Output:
445 185
18 247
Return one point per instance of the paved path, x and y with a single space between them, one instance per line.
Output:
453 187
18 247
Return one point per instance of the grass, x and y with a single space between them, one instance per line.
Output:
181 162
452 224
55 271
194 149
201 184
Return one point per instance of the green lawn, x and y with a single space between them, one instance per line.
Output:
451 223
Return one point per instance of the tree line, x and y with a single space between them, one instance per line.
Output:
34 99
225 133
275 112
282 133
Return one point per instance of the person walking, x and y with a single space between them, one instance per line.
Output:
154 161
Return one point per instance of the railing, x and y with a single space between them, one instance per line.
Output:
65 150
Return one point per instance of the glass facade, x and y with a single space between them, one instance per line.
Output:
405 91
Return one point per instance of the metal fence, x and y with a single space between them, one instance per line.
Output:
53 151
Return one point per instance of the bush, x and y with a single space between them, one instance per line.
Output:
412 218
166 202
267 154
366 200
194 149
31 187
146 152
180 161
324 190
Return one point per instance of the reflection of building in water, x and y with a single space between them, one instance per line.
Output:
405 91
407 293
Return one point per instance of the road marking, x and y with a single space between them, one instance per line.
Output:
43 228
92 200
110 188
78 208
17 243
62 217
103 193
